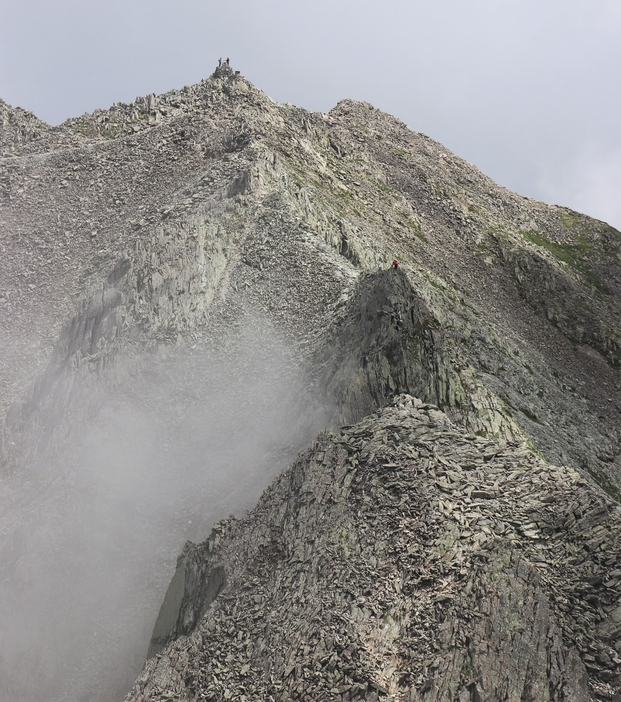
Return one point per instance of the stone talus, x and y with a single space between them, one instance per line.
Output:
401 559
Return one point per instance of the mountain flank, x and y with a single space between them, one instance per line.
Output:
220 198
458 539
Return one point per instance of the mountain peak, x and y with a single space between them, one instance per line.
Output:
209 245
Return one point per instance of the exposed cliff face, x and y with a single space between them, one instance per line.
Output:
164 229
386 342
402 559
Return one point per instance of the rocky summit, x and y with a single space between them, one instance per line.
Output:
454 534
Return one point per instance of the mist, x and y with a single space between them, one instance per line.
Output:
89 539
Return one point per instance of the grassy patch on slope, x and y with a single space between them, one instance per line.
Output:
571 254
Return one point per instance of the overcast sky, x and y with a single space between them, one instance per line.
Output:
527 90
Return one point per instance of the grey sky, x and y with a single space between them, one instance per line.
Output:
528 90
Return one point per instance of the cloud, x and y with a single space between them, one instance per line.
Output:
89 540
591 183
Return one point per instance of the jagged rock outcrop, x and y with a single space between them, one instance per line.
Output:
401 559
386 342
18 127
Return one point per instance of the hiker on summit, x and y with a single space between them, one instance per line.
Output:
219 63
228 63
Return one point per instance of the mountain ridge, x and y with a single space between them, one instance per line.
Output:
344 233
156 230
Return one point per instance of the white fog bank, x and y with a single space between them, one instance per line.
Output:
89 540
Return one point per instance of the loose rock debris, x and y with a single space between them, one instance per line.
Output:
401 559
